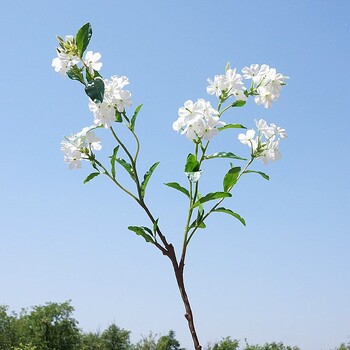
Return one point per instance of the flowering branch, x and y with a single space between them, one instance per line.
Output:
198 121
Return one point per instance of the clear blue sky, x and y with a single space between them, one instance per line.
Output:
286 276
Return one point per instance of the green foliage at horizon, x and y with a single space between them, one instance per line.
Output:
52 327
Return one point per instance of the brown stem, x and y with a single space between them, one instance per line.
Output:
179 274
159 232
169 251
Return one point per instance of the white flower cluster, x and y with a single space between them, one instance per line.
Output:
115 99
265 145
63 63
80 146
67 57
266 83
225 86
198 120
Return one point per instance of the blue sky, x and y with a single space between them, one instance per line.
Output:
285 276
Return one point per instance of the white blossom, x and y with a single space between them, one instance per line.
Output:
104 113
88 137
115 95
267 83
234 81
251 72
255 72
114 99
266 130
228 85
79 146
198 120
72 151
270 130
275 81
209 133
92 61
179 123
248 139
72 155
122 100
113 86
66 55
265 97
265 145
195 128
191 110
217 86
278 131
63 62
271 152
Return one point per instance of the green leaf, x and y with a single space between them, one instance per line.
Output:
60 41
142 231
146 178
147 229
113 160
232 126
94 165
258 172
210 197
238 103
230 212
224 155
196 224
178 187
118 116
75 74
192 164
155 226
89 77
96 89
133 119
200 215
230 178
126 117
97 74
83 38
126 166
90 177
